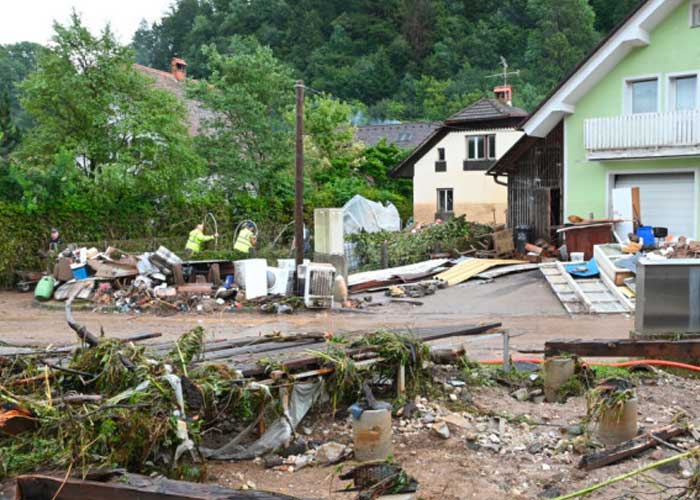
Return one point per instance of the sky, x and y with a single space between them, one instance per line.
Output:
32 20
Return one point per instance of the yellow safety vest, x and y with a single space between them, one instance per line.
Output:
244 242
194 242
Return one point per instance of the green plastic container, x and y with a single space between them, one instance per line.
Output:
44 289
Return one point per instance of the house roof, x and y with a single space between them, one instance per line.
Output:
486 109
164 80
484 114
403 135
632 32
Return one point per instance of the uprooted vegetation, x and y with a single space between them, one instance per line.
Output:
113 405
117 404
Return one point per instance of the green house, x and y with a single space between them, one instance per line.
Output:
627 116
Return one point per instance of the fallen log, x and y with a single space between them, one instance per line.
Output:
120 487
630 448
309 362
650 349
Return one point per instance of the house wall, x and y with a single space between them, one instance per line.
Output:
476 195
674 47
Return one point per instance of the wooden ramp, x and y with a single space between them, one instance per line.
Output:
582 296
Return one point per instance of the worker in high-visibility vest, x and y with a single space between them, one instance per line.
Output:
246 240
196 239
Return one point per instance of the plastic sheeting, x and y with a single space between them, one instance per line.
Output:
361 214
303 397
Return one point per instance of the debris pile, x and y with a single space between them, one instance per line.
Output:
152 408
161 281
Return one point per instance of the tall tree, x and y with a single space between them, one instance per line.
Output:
246 140
563 33
9 132
87 99
143 43
16 62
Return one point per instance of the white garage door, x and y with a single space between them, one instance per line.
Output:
667 200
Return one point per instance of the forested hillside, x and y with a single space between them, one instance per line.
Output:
394 59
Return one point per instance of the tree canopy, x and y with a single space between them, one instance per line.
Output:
396 59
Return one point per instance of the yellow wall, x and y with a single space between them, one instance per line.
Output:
476 195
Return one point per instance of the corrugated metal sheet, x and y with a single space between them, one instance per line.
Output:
470 268
385 274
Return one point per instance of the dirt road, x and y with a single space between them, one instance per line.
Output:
523 303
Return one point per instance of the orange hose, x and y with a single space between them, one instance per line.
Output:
624 364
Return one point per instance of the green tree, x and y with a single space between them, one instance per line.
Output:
9 132
143 43
563 33
247 141
608 14
16 62
123 134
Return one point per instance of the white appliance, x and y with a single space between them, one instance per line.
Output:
318 285
251 275
328 236
277 281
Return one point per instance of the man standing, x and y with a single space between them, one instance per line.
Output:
246 240
55 242
196 239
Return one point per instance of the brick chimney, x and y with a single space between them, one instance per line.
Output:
504 93
178 68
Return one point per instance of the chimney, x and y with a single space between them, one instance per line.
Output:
504 93
178 68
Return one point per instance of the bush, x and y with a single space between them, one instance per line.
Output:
455 235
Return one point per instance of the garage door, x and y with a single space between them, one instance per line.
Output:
667 200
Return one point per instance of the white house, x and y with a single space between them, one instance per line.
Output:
448 168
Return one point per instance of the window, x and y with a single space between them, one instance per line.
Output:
644 96
491 149
444 201
695 15
481 147
476 147
440 163
684 90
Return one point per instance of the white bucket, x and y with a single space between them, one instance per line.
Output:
576 256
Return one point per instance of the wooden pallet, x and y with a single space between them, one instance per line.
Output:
588 295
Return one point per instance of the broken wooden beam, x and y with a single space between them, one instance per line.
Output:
122 486
630 448
687 349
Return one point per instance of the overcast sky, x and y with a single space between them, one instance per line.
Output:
31 20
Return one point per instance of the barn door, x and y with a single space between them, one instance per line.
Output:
543 213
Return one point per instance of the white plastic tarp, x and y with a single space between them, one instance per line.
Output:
361 214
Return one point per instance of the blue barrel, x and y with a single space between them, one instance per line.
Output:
646 234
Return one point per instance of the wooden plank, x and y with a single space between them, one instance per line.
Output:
630 448
625 348
258 348
39 487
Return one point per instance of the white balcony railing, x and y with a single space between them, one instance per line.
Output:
644 134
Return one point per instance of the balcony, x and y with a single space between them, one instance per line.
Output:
644 135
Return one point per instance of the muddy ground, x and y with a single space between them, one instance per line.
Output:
455 468
523 303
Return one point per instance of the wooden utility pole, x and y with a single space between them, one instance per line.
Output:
299 178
